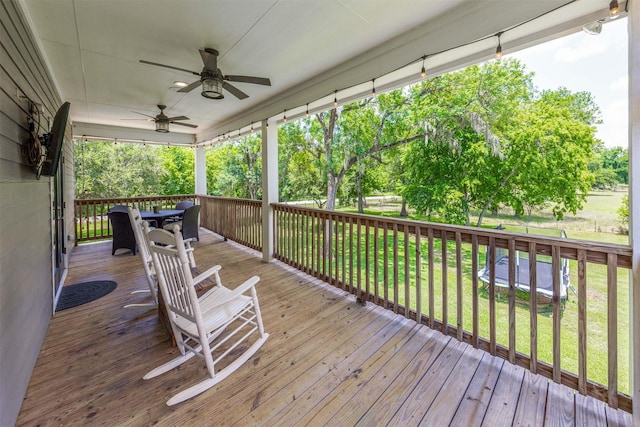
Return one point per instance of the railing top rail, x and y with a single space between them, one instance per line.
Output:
138 198
233 200
623 251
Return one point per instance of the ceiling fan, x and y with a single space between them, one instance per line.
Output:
162 121
212 79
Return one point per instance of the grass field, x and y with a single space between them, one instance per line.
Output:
597 221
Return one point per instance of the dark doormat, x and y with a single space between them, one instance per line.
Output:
82 293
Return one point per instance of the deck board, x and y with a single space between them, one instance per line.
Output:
328 361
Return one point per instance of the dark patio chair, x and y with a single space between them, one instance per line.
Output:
181 206
185 204
123 237
119 208
190 223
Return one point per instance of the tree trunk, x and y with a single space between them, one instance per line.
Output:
403 211
332 191
359 190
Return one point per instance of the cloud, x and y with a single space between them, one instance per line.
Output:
620 84
586 49
614 130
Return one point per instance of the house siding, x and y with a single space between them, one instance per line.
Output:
26 249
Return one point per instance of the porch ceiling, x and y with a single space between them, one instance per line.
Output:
308 49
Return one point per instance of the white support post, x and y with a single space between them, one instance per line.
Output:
634 201
269 186
201 170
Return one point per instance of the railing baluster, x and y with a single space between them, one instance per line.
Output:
533 308
395 267
474 289
337 250
407 262
445 284
460 329
612 330
320 246
367 262
359 259
432 319
492 295
555 280
344 265
418 275
512 301
350 253
329 240
305 243
375 261
323 254
582 321
386 266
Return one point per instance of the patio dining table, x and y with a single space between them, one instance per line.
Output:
161 216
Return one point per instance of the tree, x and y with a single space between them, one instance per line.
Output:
359 131
234 168
623 215
492 140
178 175
301 169
459 166
106 169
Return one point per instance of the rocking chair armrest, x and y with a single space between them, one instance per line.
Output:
235 293
205 274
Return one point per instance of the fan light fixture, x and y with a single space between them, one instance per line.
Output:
162 127
212 88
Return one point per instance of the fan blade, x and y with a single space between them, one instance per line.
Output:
191 87
184 124
179 118
210 59
169 66
249 79
143 114
235 91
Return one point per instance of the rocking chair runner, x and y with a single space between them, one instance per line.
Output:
198 321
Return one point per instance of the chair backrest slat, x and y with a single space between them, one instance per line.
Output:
136 224
175 277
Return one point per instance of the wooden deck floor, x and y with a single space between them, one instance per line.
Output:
328 361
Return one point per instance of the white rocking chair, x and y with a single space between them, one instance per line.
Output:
147 262
198 321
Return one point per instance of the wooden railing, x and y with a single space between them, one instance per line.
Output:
91 214
429 272
237 219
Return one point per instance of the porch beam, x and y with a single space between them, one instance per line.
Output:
634 200
200 159
269 185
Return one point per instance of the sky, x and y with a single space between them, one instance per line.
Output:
593 63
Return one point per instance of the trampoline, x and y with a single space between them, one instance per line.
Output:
544 271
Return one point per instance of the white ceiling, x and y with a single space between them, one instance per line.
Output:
308 49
